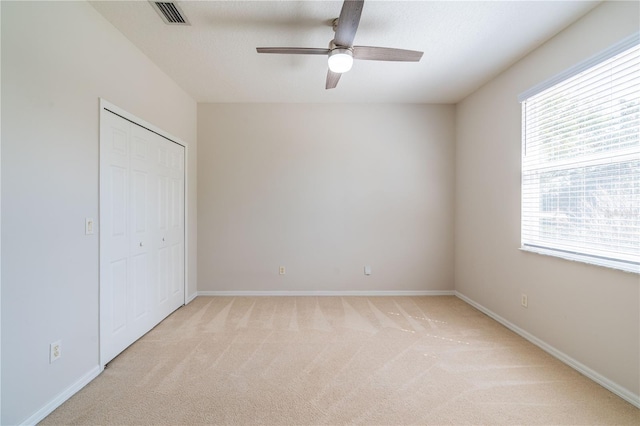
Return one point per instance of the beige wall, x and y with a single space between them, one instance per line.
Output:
325 190
58 58
589 313
320 189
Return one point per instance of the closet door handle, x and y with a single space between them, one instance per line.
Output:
141 244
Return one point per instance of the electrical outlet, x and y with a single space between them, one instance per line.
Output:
524 300
55 351
282 270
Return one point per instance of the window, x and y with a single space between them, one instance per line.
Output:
581 161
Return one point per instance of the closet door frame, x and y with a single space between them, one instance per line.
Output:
108 108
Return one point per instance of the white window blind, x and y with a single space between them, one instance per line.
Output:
581 164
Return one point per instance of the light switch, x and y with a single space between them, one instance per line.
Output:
88 226
367 270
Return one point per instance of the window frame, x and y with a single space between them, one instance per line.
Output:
556 249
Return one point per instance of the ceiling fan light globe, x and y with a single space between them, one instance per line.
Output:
340 60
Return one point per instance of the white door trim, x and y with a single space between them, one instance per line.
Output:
107 108
140 122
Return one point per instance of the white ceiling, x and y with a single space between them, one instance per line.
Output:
465 44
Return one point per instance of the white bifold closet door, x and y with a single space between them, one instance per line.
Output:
141 231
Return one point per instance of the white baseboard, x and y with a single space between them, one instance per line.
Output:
330 293
622 392
190 298
62 397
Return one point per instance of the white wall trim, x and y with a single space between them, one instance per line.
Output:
622 392
330 293
104 104
39 415
189 298
185 219
0 233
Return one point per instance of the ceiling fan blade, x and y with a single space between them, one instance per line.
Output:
294 50
332 79
371 53
348 22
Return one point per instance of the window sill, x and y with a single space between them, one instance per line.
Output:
606 263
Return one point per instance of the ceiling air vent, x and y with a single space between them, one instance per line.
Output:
170 13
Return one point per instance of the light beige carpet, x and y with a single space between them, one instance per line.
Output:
338 360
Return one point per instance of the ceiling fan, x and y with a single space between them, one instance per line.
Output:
341 50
